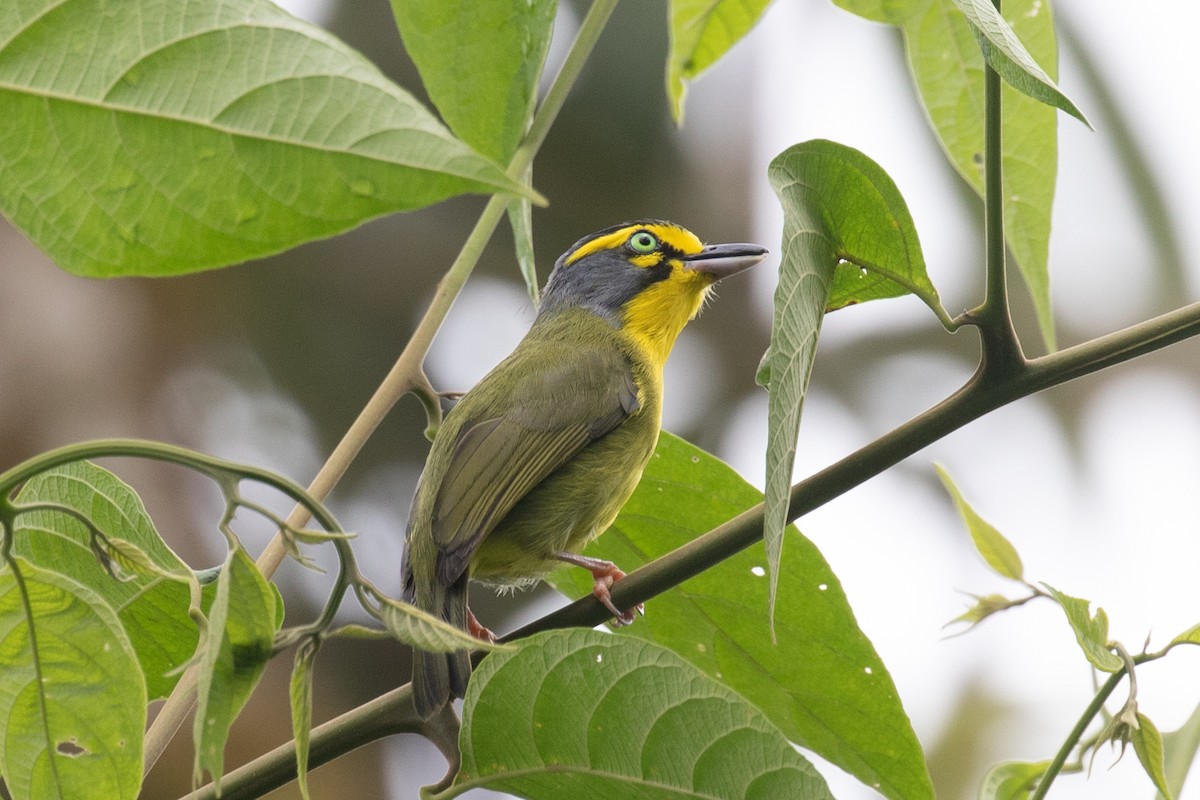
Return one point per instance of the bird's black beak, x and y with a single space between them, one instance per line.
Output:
722 260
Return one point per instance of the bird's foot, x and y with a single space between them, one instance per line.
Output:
605 574
477 630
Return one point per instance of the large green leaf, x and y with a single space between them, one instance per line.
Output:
480 63
152 138
152 608
575 714
947 67
72 699
237 644
821 682
701 32
847 238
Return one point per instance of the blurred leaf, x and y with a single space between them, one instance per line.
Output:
72 698
1005 54
581 713
1190 636
947 67
235 650
1090 631
480 68
984 607
838 207
152 138
153 608
1148 744
1179 751
300 694
701 32
822 682
997 551
892 12
1012 780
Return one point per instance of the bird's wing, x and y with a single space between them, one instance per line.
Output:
556 409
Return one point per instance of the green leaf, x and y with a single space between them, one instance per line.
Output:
947 67
520 218
702 31
72 699
423 630
1012 780
1005 54
235 650
985 606
154 609
584 714
1179 751
300 694
1090 631
838 207
1190 636
841 703
480 68
892 12
1148 744
997 551
157 138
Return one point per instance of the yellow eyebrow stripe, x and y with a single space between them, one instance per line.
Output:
682 240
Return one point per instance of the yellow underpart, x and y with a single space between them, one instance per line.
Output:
656 315
681 239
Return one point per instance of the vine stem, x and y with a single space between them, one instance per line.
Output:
1073 738
407 374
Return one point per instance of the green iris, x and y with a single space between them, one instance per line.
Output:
643 242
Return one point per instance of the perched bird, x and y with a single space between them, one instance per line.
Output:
537 459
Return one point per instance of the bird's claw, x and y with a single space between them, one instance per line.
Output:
605 574
478 630
602 591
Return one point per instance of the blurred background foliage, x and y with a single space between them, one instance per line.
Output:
269 362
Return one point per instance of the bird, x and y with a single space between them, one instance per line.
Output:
537 459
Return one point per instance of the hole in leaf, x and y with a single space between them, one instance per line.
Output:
69 748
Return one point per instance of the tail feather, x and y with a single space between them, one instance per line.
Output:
440 677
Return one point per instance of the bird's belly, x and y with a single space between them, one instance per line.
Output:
568 509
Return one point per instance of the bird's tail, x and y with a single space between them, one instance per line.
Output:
440 677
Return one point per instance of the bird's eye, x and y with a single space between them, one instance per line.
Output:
643 242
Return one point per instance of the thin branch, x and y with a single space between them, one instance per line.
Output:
976 398
387 714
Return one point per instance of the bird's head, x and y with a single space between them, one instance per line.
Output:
647 277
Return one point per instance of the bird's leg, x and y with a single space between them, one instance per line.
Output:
605 574
476 629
